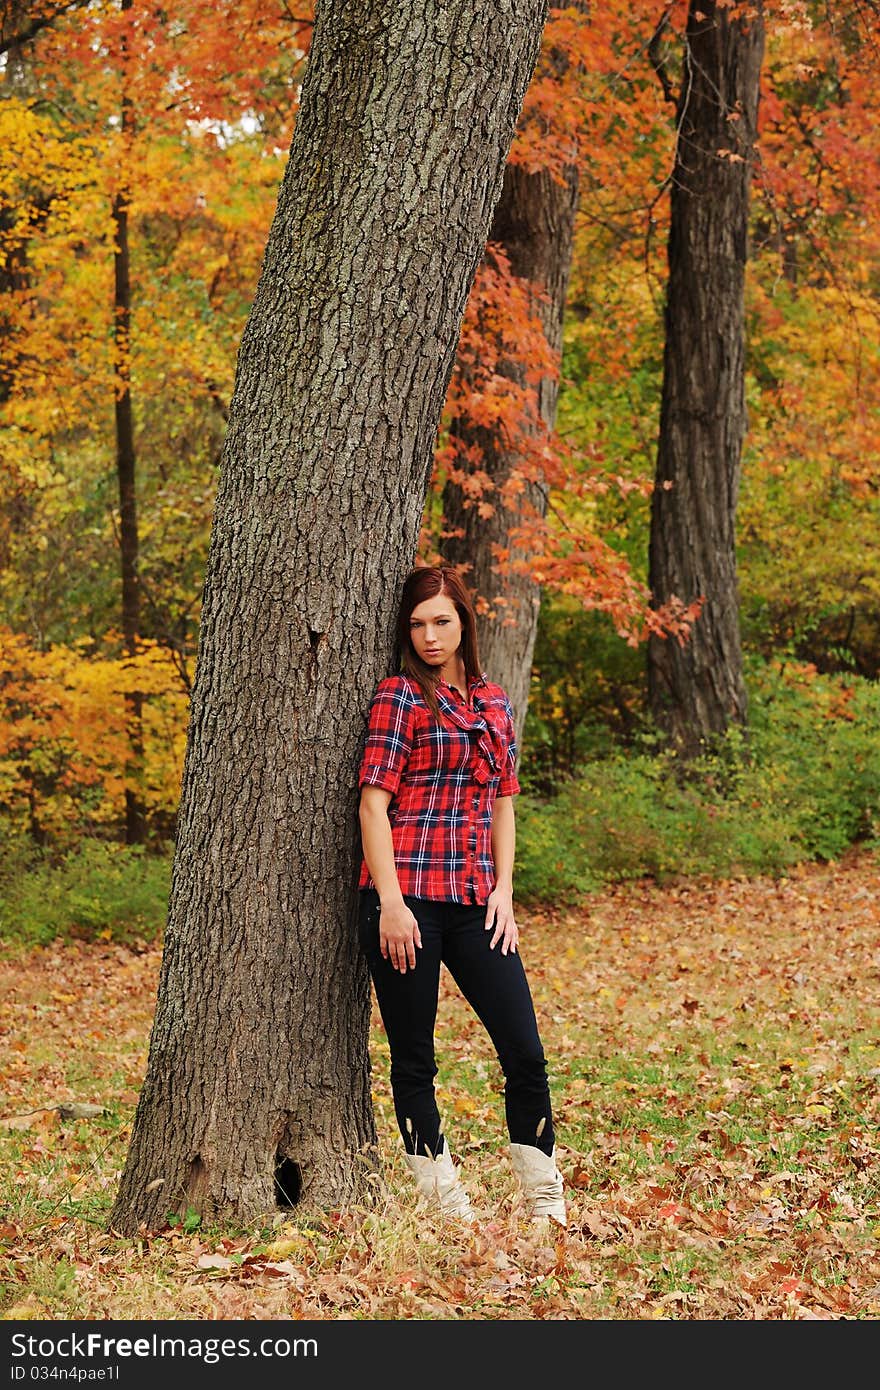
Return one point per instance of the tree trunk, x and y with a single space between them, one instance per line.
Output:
534 223
259 1064
15 275
135 815
697 690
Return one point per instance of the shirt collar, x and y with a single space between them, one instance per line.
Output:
472 720
472 684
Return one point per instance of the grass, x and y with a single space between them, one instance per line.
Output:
714 1052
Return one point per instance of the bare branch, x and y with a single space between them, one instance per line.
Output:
658 61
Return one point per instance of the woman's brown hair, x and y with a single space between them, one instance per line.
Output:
424 582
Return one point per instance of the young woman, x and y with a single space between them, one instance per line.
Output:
437 781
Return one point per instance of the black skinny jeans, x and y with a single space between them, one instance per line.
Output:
496 988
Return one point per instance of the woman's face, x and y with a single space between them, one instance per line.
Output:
435 630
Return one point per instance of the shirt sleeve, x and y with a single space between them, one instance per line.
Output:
389 738
509 784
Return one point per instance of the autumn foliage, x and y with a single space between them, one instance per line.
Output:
713 1035
63 737
211 94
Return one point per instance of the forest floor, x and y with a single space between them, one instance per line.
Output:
714 1050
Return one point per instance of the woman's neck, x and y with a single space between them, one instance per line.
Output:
454 673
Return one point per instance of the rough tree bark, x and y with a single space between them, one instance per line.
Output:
258 1063
534 223
697 690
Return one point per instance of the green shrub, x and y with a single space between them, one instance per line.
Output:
820 738
587 694
96 891
809 789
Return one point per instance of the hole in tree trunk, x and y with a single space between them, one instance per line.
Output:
288 1181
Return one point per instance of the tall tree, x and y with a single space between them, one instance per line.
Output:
696 688
258 1067
135 819
533 225
518 502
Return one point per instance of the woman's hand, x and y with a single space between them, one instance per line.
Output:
499 913
399 935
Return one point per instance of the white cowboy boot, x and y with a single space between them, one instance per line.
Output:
437 1179
540 1181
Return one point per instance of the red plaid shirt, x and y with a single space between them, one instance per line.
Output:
444 781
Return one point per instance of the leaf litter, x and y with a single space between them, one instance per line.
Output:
714 1054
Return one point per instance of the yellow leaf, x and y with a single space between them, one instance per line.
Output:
464 1105
280 1249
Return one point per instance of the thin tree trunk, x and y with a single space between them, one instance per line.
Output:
697 690
258 1061
135 816
15 238
534 223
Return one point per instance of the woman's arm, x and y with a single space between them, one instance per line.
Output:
398 929
503 841
377 845
499 907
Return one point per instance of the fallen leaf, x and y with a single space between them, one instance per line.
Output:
214 1262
